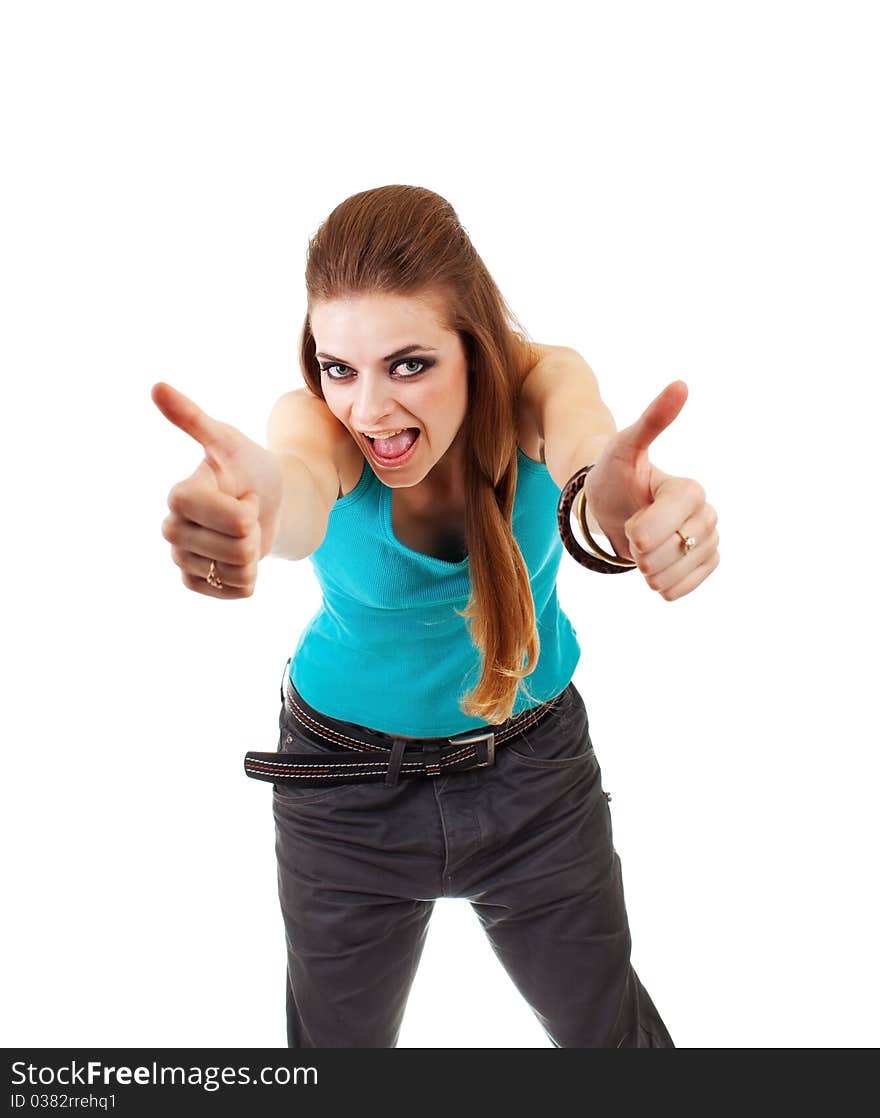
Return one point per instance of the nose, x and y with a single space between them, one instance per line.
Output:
372 403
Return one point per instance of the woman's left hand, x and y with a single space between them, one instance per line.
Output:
639 507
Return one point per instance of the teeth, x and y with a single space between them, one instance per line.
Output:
387 434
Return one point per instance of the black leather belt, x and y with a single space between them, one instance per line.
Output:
382 756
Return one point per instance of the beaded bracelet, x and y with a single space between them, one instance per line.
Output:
597 560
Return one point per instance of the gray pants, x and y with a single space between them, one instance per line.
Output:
527 841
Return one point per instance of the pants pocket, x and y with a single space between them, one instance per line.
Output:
560 740
293 739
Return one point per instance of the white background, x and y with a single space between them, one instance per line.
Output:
678 191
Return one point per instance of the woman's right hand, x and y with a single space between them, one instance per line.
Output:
228 510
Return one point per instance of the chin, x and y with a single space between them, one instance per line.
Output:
404 484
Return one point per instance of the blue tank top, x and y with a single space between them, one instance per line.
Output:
386 649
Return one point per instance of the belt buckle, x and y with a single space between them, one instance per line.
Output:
489 738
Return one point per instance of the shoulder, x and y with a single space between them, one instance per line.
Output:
301 423
529 354
534 372
298 413
562 377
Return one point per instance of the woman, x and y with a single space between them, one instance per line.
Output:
432 741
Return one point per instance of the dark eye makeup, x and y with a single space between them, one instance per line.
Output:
425 363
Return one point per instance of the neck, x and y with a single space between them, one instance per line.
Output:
443 485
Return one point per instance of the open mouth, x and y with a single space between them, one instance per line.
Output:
396 449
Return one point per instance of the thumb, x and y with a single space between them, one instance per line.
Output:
189 417
654 419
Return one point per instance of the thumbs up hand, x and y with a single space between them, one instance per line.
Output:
228 510
641 509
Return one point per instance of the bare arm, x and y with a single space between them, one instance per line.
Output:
305 438
562 395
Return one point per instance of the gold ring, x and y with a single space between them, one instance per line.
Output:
212 578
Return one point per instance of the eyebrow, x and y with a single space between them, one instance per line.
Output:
391 356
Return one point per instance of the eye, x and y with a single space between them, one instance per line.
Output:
412 361
326 369
422 363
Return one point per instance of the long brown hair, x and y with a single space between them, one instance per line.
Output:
407 240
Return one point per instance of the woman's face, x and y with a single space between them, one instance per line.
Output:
372 391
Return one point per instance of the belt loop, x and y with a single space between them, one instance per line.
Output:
396 760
